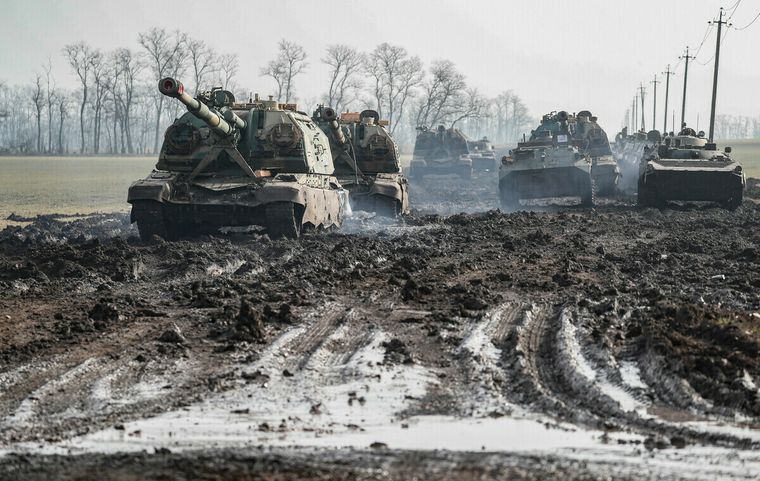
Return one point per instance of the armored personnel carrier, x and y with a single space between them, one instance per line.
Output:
482 154
593 140
548 164
238 164
688 167
366 160
443 151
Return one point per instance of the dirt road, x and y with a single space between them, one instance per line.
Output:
560 343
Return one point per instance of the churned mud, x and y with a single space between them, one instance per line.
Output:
458 343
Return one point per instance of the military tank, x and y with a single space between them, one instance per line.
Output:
689 167
548 164
482 154
238 164
593 140
366 160
443 151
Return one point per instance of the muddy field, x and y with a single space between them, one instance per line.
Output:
459 343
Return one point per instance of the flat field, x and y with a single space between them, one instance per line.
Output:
747 152
67 185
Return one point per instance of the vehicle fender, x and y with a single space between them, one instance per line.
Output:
387 188
282 192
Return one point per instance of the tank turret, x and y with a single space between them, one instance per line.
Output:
219 116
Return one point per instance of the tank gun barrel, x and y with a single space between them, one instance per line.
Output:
224 122
331 116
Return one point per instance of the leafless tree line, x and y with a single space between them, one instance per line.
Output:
117 109
737 127
396 84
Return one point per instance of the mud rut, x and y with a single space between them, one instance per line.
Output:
640 325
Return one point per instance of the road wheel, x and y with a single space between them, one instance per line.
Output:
282 221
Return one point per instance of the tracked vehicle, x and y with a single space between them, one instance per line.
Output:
482 154
443 151
238 164
688 167
366 160
592 139
548 164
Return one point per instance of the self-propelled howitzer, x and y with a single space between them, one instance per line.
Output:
366 160
225 163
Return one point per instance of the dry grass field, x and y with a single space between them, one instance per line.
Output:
84 185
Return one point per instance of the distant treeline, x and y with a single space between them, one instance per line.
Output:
737 127
117 108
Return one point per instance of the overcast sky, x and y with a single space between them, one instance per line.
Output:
556 54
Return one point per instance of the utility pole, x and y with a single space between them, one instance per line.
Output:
643 91
685 78
654 108
667 73
636 112
633 115
720 22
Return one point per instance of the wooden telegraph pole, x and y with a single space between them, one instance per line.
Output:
667 73
685 79
720 22
654 108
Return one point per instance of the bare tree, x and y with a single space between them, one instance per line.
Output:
472 105
442 93
228 66
129 65
38 101
345 63
202 61
290 62
164 51
101 85
80 57
50 97
63 102
395 75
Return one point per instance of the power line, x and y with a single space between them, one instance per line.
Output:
723 39
707 33
749 24
733 9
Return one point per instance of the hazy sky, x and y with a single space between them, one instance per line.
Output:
556 54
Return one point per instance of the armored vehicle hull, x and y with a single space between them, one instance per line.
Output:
172 206
385 194
238 164
441 152
366 160
572 181
418 168
688 168
483 155
548 165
